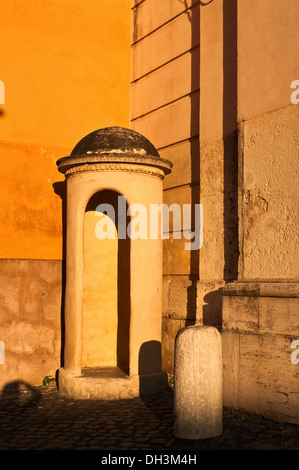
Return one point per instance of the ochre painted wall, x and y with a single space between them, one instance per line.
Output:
65 66
267 55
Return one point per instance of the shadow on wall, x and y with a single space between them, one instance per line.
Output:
60 190
212 310
20 394
230 141
193 17
149 363
110 197
149 357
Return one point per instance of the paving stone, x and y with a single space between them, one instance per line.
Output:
290 432
61 423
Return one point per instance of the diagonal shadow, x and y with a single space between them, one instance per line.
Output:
230 141
19 394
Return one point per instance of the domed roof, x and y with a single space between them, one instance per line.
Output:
114 140
112 145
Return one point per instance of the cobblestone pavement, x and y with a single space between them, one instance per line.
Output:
41 419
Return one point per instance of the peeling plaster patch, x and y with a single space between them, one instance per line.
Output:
25 338
265 204
256 202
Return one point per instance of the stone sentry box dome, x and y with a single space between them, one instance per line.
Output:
113 293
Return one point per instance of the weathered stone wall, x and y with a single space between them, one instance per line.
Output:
260 310
177 89
165 108
260 322
30 319
210 87
269 196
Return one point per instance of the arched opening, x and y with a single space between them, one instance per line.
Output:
106 286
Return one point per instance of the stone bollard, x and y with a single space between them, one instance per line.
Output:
198 383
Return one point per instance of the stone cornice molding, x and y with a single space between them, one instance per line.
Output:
108 161
262 289
114 167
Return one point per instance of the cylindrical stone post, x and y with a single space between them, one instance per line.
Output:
198 383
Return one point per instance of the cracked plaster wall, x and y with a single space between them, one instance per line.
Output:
269 196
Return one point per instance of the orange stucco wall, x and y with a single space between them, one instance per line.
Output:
65 67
